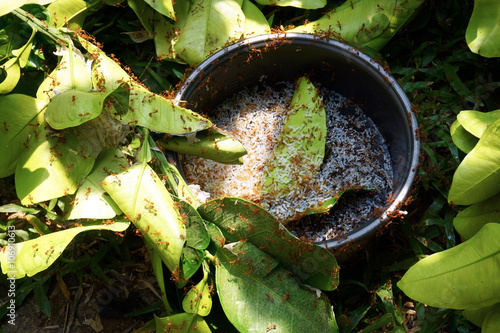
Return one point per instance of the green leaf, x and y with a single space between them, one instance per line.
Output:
13 208
198 299
158 265
380 323
375 24
387 297
144 108
166 32
174 180
10 39
476 122
197 235
462 277
42 301
305 4
8 6
41 227
74 107
36 255
90 200
257 303
450 71
52 167
210 25
12 68
164 7
19 120
160 114
477 178
239 219
477 316
355 318
12 72
63 11
72 72
491 323
145 13
255 21
106 74
461 138
141 195
210 144
191 260
145 152
182 323
469 221
483 31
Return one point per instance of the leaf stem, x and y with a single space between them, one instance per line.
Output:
44 28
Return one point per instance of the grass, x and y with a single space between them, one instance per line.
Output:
431 60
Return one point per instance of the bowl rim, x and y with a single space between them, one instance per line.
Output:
394 208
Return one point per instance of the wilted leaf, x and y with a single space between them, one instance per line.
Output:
462 277
33 256
302 139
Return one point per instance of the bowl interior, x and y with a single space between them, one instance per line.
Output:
339 67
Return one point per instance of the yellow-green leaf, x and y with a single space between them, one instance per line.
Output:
164 7
20 117
478 176
476 122
90 200
305 4
141 195
210 25
12 68
369 23
462 277
33 256
483 31
52 167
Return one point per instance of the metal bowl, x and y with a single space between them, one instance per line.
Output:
339 67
